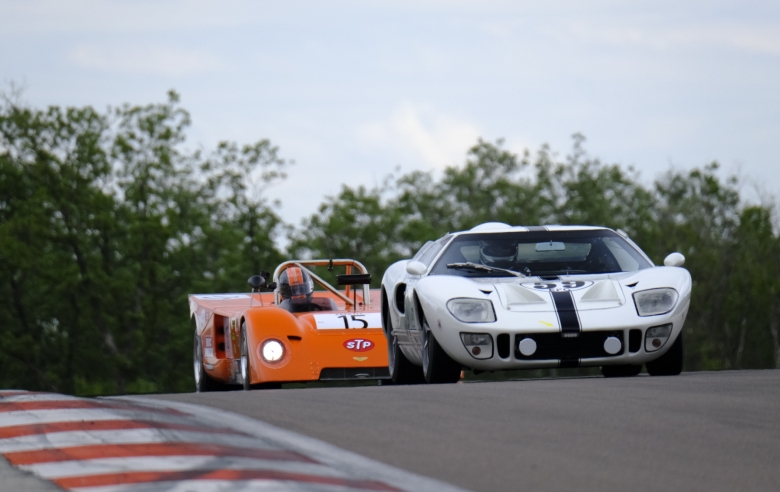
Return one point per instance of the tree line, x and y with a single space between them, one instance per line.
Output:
107 223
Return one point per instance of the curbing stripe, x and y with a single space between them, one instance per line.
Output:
140 477
352 463
175 464
220 486
160 449
133 436
99 425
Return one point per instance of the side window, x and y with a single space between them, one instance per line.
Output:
626 262
427 256
422 250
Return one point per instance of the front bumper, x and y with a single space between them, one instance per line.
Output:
555 350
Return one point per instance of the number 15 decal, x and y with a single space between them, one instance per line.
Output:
341 321
354 320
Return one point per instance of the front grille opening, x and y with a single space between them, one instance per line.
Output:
502 343
347 373
587 345
634 340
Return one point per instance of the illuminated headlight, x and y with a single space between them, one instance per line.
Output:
472 310
656 337
479 345
655 301
272 351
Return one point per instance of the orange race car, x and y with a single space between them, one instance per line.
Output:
296 328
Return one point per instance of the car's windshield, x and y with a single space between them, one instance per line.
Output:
540 254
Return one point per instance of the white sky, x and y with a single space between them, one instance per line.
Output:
350 90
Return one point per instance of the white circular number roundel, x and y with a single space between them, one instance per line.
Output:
566 285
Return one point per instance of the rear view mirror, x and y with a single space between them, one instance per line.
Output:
551 246
674 259
256 282
355 279
415 268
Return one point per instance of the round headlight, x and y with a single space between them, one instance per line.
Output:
273 351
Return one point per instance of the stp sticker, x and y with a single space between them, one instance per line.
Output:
359 345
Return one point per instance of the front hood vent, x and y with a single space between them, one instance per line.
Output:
536 297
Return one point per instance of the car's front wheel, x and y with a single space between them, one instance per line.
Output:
438 367
669 364
401 370
203 381
246 375
621 371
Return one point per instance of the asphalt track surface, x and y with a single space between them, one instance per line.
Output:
716 431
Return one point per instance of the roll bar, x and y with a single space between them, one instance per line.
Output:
330 262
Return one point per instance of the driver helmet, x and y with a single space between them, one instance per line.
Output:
296 285
498 254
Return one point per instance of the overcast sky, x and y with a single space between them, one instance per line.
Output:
350 90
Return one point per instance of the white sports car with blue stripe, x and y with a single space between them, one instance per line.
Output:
499 297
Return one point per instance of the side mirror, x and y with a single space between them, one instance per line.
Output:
256 282
416 268
356 279
674 259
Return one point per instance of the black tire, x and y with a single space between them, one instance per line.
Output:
438 367
669 364
622 371
246 373
203 381
401 370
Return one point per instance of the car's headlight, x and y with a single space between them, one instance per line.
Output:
655 301
272 351
472 310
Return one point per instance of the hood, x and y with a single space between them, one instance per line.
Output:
537 295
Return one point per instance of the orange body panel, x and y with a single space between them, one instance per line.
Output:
313 341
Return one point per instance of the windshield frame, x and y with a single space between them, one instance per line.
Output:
439 265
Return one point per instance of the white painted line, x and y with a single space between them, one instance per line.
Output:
222 486
28 417
127 436
36 397
174 463
352 463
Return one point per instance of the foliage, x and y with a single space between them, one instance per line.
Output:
105 226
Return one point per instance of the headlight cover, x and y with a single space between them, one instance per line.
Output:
655 301
272 351
472 310
479 345
656 337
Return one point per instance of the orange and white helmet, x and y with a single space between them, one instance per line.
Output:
296 285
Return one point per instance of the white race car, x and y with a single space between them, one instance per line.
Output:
499 297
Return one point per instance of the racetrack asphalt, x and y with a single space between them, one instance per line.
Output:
708 431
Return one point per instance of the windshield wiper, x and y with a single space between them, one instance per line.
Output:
484 268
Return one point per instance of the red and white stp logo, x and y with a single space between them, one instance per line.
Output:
359 345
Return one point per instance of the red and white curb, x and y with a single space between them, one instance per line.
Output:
134 444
